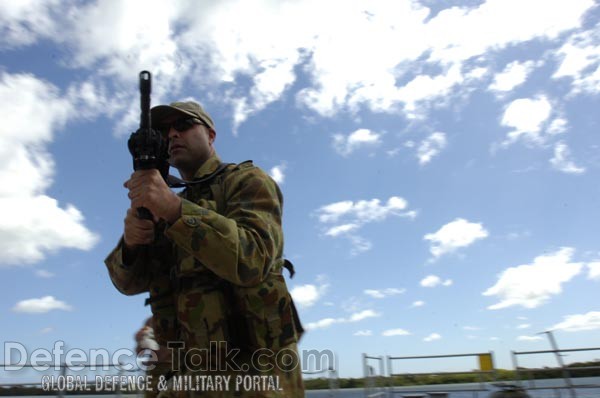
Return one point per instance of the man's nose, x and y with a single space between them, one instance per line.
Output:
172 133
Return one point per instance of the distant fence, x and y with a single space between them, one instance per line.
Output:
567 371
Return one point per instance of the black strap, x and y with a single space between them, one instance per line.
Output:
296 318
175 182
287 264
157 297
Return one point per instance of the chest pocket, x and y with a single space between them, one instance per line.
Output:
201 195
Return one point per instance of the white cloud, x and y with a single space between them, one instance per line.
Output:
431 147
341 229
306 296
41 305
24 22
322 324
512 76
454 235
529 338
580 61
365 333
46 330
471 328
221 41
561 161
579 322
532 285
557 126
594 270
382 293
432 337
524 326
32 223
418 303
345 145
363 211
527 117
431 281
434 280
359 316
42 273
395 332
122 37
349 217
277 173
355 317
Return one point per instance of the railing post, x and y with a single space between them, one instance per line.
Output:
561 363
63 373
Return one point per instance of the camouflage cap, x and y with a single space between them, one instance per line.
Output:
189 108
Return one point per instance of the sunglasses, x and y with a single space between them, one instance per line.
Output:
182 124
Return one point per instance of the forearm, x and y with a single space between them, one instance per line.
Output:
126 269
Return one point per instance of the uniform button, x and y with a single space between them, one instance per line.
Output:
190 221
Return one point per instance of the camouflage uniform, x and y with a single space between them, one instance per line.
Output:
215 275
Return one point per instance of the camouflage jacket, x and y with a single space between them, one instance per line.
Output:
215 275
225 257
240 246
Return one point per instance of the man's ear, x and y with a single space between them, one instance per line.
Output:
212 136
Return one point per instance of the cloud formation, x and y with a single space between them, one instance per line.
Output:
579 322
527 117
434 280
529 338
432 337
455 235
41 305
532 285
562 160
355 317
277 173
513 75
219 42
345 145
32 223
395 332
306 296
383 293
431 147
348 217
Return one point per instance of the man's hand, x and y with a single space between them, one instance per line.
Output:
148 189
137 231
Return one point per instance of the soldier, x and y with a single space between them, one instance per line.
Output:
158 366
212 261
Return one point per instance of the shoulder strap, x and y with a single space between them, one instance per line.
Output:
216 186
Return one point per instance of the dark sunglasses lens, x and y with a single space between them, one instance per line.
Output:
182 125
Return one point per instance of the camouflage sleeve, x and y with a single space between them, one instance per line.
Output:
240 245
129 279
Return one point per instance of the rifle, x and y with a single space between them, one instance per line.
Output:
148 147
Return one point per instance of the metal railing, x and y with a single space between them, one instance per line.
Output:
61 384
486 368
375 383
567 371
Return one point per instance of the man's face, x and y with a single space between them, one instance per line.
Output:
189 149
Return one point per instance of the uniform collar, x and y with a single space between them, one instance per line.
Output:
208 167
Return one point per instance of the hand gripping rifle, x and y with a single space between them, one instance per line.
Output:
148 147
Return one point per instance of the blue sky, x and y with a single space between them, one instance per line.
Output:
439 163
